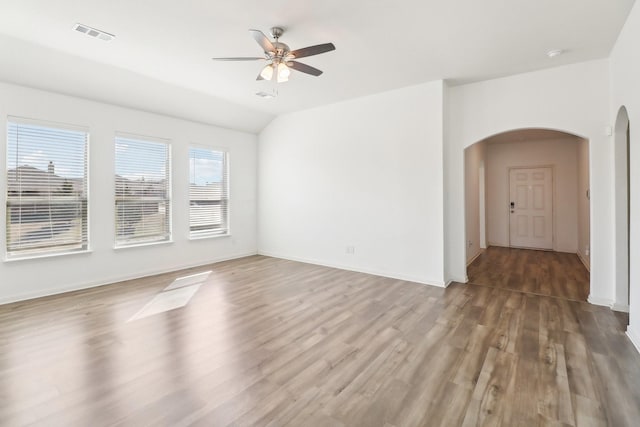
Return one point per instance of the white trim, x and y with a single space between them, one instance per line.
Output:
600 301
48 123
117 279
584 261
46 255
437 283
620 307
634 337
139 244
141 138
209 236
473 258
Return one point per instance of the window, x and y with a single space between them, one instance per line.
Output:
143 205
46 189
208 193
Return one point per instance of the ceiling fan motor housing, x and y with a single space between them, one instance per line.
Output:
281 50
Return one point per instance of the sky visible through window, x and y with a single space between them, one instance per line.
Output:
205 166
36 146
136 159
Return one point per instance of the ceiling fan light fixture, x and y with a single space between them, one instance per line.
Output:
283 72
267 72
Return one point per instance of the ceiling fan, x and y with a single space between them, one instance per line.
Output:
280 59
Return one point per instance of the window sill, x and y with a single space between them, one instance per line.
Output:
141 245
40 256
209 236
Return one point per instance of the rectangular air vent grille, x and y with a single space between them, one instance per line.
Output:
92 32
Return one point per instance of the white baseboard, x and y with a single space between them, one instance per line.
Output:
464 279
113 280
620 307
634 336
600 301
473 258
391 275
584 261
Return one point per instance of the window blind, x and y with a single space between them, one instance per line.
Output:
142 191
208 192
46 189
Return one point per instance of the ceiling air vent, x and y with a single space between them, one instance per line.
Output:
92 32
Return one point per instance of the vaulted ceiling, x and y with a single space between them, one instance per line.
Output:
161 61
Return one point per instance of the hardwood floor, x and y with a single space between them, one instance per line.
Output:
539 272
270 342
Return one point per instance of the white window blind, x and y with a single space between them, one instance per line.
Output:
208 192
46 189
143 204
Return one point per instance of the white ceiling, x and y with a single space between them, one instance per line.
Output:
163 48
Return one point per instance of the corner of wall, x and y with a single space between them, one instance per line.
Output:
634 337
595 300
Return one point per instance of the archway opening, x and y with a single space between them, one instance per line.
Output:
527 211
622 206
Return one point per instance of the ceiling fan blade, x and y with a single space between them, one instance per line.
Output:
312 50
262 40
304 68
240 58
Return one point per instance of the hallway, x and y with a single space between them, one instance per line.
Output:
547 273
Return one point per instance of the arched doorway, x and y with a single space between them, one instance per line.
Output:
494 217
622 195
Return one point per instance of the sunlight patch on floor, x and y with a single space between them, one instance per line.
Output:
166 301
193 279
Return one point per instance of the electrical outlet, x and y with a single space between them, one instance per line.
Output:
350 250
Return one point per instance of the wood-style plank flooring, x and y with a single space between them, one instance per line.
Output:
270 342
549 273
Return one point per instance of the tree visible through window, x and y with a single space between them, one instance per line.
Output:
46 189
142 180
208 192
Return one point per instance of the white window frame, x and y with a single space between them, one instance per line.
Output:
128 243
225 189
82 246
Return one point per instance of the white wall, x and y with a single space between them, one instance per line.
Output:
474 166
366 173
562 155
571 98
29 278
584 204
625 90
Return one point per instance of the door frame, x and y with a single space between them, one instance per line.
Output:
622 215
553 202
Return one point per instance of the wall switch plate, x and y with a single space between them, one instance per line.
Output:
350 250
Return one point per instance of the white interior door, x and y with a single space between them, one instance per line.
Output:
531 208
